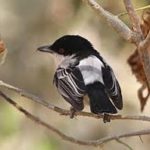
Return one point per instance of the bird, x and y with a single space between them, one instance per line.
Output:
82 71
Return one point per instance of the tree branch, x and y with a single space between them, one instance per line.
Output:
130 134
61 111
42 123
142 45
113 21
27 95
68 138
135 20
145 44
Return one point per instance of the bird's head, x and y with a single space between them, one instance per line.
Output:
68 45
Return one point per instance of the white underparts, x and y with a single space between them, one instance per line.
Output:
64 61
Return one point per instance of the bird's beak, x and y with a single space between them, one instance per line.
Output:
45 49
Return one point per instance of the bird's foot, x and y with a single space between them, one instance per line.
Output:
72 112
106 118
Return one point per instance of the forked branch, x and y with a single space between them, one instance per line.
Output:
118 25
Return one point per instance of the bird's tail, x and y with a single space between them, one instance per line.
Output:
99 100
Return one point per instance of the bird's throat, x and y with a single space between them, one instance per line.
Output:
65 61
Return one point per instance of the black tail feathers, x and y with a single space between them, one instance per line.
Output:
99 100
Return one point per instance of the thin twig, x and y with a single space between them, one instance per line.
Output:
125 144
137 9
68 138
61 111
130 134
141 139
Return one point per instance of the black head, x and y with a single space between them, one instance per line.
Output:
68 45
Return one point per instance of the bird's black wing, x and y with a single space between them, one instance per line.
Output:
112 86
71 86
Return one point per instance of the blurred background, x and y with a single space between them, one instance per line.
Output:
26 25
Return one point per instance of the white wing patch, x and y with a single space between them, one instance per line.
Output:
91 71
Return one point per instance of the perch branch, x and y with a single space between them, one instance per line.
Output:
61 111
68 138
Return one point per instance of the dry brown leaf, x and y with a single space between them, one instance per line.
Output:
3 52
136 64
2 46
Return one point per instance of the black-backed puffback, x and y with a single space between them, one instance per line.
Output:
82 71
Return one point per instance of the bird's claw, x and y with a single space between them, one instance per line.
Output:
72 112
106 118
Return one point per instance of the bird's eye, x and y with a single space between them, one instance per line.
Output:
61 50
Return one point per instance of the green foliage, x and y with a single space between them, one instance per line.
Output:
9 122
46 143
